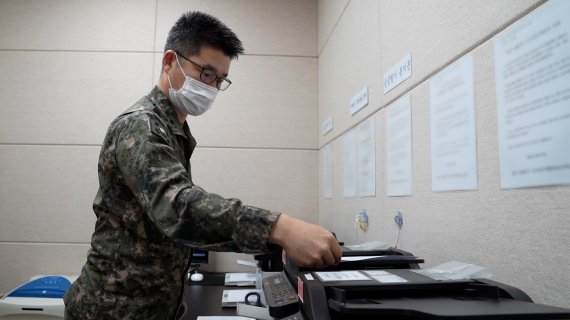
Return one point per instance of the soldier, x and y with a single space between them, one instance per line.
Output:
150 214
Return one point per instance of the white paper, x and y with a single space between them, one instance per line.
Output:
327 172
349 165
399 148
341 276
385 277
367 159
453 133
240 277
532 71
231 296
390 278
246 263
358 258
376 272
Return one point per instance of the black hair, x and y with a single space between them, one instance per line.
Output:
195 29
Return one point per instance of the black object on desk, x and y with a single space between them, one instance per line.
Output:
388 288
418 298
270 261
282 300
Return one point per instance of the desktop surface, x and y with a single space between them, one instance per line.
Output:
204 298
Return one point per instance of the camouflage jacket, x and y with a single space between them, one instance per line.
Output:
150 215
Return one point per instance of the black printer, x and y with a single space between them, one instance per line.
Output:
383 284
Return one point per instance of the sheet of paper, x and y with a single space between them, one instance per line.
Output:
231 297
240 277
359 258
367 159
341 276
327 171
385 277
246 263
349 164
532 71
453 132
399 148
238 295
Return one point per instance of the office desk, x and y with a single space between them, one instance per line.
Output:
205 298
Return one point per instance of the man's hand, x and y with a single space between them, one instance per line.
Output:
307 244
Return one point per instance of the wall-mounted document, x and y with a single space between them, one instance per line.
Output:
367 159
532 70
453 133
359 161
349 164
399 148
327 171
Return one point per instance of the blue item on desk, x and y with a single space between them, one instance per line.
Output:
45 287
39 298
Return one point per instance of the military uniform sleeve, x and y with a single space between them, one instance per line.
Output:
181 210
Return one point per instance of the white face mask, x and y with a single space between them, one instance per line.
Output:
194 97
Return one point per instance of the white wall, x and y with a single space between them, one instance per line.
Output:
69 67
521 235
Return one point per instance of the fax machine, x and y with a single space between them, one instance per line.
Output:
387 286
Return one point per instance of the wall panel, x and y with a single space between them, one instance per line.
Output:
279 180
270 104
437 32
283 27
349 62
68 97
47 193
82 25
329 12
372 37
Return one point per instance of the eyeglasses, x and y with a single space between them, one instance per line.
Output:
208 76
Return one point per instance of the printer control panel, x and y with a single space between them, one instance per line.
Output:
282 300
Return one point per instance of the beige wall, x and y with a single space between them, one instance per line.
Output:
521 235
69 67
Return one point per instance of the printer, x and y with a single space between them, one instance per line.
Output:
40 298
386 284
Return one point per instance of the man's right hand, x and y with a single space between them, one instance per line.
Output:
307 244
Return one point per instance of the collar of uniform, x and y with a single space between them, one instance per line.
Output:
166 109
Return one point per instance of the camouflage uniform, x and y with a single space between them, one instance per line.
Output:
149 215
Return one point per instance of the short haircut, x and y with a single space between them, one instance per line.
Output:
195 30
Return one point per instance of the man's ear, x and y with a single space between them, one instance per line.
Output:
168 60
